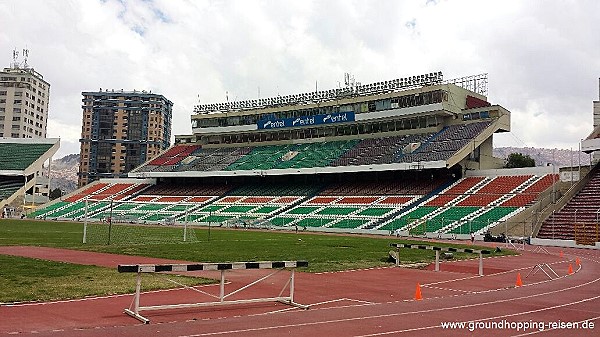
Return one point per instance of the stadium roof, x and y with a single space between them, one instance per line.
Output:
23 156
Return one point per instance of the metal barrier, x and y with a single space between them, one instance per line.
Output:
438 249
222 267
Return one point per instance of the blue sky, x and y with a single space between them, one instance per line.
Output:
542 57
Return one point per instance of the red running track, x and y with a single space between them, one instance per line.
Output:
375 302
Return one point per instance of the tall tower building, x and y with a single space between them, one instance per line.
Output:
24 99
120 131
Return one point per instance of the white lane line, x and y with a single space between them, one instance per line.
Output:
406 313
490 318
447 289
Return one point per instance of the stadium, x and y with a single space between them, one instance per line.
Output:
326 179
409 156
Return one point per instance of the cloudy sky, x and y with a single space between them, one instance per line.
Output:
542 57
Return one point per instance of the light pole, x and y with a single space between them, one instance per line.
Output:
553 224
579 158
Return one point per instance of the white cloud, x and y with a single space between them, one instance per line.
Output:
542 57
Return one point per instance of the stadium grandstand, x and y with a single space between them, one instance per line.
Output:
409 156
22 179
575 218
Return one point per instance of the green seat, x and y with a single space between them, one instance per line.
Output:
313 222
337 210
448 216
375 212
483 220
266 209
302 210
349 223
281 221
415 214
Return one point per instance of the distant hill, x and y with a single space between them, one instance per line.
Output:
63 173
543 156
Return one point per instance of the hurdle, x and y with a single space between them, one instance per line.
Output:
438 249
541 267
222 298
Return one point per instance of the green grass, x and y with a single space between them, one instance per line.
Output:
324 252
25 279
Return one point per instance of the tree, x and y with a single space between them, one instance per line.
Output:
519 160
55 193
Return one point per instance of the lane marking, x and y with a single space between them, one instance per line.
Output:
491 318
408 313
416 312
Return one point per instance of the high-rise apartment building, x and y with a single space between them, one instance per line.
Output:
23 102
120 131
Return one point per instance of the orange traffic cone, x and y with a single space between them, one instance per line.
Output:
578 261
519 282
418 295
570 269
561 253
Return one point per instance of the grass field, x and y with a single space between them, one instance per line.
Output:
324 253
25 279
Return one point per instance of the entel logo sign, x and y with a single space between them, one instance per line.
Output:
304 121
274 124
335 118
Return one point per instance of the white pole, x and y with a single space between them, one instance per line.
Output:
222 286
85 221
138 288
553 179
579 158
185 223
571 166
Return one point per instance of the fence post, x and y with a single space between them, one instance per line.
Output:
85 221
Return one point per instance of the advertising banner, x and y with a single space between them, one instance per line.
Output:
338 117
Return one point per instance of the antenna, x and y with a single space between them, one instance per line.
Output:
15 58
25 56
349 80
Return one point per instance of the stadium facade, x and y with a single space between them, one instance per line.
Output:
408 156
23 179
120 131
419 106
